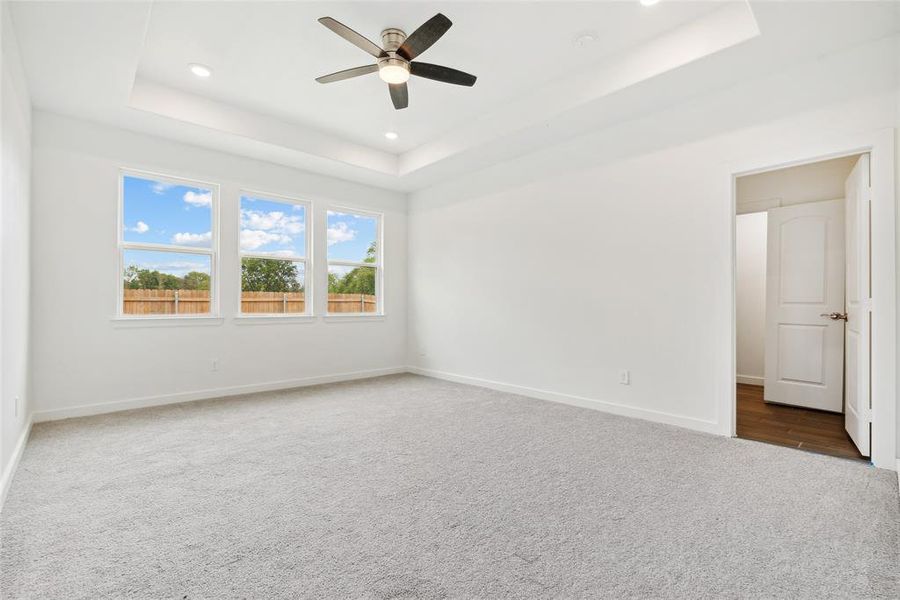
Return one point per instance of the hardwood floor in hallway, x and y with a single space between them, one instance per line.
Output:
803 428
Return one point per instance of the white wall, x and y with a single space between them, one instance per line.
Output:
15 131
750 297
553 272
82 357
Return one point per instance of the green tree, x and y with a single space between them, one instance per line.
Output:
262 275
145 279
195 280
360 280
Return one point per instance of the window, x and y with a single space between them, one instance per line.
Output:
274 256
354 263
167 246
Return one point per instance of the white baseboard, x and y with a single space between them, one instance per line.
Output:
86 410
601 405
751 379
10 469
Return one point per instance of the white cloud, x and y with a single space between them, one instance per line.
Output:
192 239
340 232
161 187
195 199
273 221
140 227
251 239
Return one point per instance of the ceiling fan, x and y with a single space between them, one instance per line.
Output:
394 62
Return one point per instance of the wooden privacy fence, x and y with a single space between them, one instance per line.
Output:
194 302
272 302
351 303
166 302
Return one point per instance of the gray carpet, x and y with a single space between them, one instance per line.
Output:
407 487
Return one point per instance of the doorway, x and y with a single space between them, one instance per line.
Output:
802 307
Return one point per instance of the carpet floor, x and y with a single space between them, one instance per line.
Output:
409 487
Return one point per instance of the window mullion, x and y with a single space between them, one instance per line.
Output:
273 257
350 263
166 248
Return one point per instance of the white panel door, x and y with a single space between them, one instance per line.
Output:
857 417
804 281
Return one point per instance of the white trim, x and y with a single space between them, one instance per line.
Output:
10 469
272 319
880 145
751 379
164 321
352 317
592 403
147 401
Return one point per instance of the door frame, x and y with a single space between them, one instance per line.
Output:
880 145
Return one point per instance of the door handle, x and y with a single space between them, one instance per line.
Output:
835 316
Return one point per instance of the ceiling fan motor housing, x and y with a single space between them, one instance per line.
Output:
391 39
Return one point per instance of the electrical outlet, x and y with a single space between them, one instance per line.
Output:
625 377
215 364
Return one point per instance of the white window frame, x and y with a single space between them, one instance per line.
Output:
378 264
212 251
307 260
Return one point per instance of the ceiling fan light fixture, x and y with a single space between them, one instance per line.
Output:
393 70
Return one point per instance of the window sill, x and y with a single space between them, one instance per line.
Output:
353 317
272 319
165 321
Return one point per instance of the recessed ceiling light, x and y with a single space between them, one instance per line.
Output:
391 135
584 38
200 70
649 2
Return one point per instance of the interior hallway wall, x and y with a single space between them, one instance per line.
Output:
812 182
15 192
750 297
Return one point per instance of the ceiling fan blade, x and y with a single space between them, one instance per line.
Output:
399 95
353 37
422 38
439 73
347 74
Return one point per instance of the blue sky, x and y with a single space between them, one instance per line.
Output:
161 213
349 236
